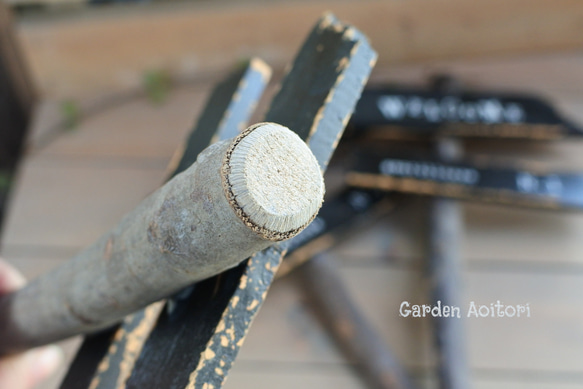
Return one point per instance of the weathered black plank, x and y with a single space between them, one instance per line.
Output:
228 109
17 98
315 100
408 112
506 186
92 350
318 115
337 215
326 293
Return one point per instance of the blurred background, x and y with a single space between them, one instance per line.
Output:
98 95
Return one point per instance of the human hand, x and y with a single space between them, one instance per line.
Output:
28 369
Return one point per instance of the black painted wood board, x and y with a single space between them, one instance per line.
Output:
515 186
417 112
316 100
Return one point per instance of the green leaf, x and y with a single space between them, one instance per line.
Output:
71 114
157 85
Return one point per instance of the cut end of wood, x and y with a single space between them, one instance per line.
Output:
273 181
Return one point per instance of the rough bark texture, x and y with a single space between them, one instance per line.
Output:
184 232
444 267
226 112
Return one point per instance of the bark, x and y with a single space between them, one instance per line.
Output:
190 229
444 266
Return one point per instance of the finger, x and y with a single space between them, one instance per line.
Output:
47 361
26 370
10 278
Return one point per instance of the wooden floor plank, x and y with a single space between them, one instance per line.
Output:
550 340
79 186
539 73
315 377
493 234
504 233
33 266
528 385
130 126
399 31
72 206
326 377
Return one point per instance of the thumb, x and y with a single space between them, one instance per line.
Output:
24 371
10 278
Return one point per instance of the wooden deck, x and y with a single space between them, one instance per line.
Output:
76 187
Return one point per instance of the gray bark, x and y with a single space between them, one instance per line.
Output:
445 220
186 231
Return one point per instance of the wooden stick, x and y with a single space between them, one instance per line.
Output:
351 331
320 92
225 115
238 198
445 221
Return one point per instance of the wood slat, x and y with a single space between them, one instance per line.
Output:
69 206
127 127
550 341
331 377
409 31
499 236
538 72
